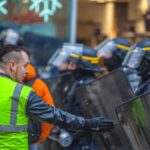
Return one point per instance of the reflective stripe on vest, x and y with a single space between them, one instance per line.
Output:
15 99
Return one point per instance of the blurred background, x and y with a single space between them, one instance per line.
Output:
46 24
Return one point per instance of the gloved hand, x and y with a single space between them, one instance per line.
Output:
99 124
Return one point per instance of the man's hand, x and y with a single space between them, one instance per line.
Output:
99 124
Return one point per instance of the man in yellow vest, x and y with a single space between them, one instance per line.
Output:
18 102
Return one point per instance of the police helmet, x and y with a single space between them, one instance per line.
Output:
138 57
10 36
112 52
84 57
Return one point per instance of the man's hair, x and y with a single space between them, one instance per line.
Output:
10 52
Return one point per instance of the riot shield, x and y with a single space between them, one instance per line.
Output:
59 86
99 98
135 121
103 95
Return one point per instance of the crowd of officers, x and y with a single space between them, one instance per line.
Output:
86 64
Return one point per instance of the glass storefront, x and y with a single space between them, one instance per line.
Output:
43 24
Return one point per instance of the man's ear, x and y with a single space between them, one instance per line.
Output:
12 66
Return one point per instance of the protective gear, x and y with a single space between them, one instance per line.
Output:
96 99
139 57
100 124
134 115
134 119
10 36
61 136
100 97
112 52
84 57
132 76
42 91
86 64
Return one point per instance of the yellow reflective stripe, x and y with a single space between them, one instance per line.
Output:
74 55
13 127
7 33
123 47
92 59
95 62
146 49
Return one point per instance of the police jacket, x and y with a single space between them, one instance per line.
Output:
71 103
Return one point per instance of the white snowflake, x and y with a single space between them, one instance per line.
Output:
3 10
47 11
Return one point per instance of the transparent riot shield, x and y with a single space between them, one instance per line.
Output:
99 98
59 86
134 117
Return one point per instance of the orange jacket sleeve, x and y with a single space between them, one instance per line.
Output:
42 91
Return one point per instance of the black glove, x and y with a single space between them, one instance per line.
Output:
99 124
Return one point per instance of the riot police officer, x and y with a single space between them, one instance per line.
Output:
112 52
83 62
139 59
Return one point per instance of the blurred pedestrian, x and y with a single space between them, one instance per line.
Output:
11 36
38 131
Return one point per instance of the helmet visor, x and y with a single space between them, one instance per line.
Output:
106 49
64 55
134 58
58 58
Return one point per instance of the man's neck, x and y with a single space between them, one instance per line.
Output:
4 71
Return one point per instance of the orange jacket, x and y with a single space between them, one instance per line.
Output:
42 91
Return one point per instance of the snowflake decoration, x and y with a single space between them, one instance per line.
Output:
3 10
47 11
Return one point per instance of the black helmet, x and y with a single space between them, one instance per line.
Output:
138 57
112 52
84 57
